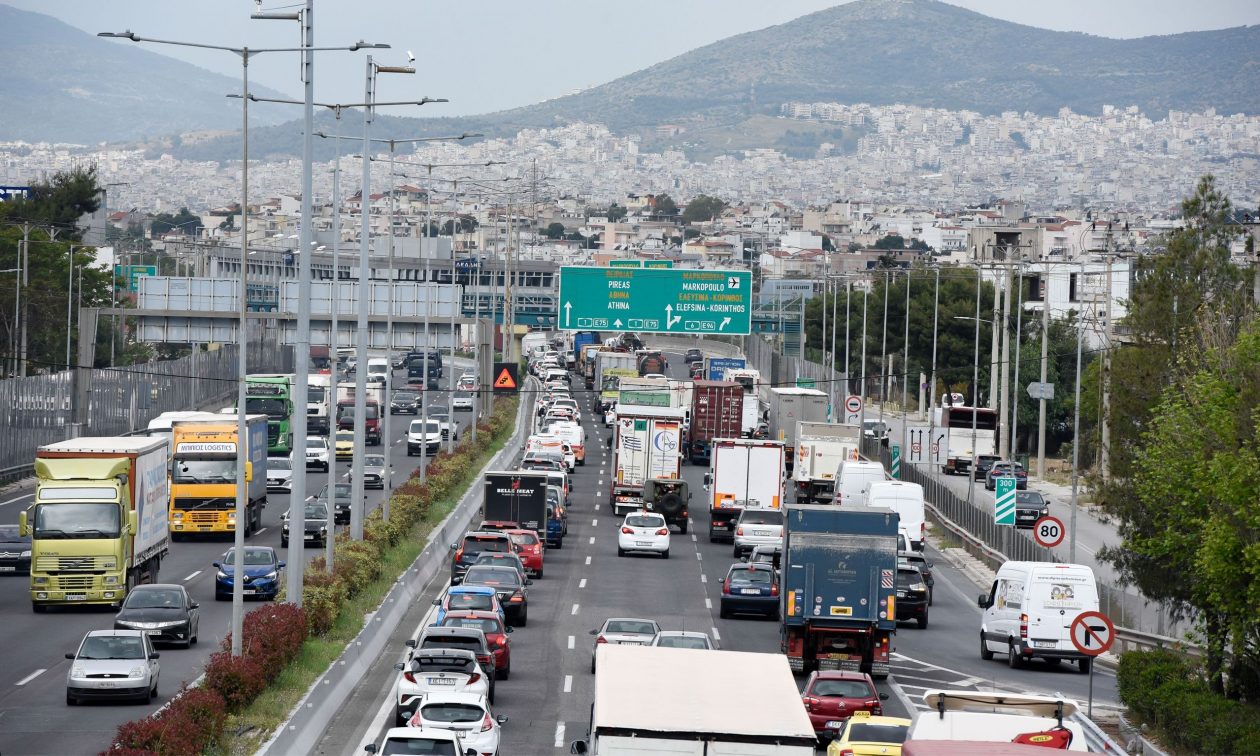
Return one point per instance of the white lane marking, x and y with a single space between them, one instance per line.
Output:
716 637
704 578
260 530
559 734
574 610
18 498
592 540
698 555
708 603
190 577
588 560
568 683
596 507
594 523
572 640
693 537
582 583
30 677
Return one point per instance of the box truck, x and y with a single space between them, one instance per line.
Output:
744 473
647 446
204 475
787 407
820 447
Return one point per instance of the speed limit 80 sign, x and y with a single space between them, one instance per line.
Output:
1048 531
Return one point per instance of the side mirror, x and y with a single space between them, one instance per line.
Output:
578 747
217 564
155 655
708 481
501 719
411 643
249 471
400 666
454 546
280 566
23 528
70 656
194 605
983 601
508 629
437 602
370 748
883 696
132 522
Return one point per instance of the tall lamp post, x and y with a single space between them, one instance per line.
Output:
245 53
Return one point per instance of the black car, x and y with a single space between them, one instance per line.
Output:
15 551
405 403
342 494
315 522
1003 469
164 611
693 355
507 584
912 594
983 463
473 544
1030 506
925 568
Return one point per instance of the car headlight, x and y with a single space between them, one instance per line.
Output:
270 576
77 671
323 528
26 554
136 672
221 575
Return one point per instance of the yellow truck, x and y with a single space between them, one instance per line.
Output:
203 476
98 523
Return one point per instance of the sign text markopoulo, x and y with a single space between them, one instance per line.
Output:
655 300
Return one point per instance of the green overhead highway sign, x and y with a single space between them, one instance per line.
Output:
658 263
625 263
655 301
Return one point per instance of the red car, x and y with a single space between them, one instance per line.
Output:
496 636
832 696
529 548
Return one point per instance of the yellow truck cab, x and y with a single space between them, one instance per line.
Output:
203 476
98 523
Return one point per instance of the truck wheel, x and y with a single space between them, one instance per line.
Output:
682 526
985 653
1013 659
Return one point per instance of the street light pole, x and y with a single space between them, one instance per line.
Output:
334 305
1041 403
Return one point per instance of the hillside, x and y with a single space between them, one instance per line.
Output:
62 85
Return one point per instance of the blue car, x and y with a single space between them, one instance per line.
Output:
464 598
555 530
262 574
750 589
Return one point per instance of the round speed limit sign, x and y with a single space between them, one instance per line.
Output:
1048 531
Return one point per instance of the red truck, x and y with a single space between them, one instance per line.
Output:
717 411
372 420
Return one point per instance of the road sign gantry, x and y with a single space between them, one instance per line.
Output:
650 300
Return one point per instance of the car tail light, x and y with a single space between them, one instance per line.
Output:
774 589
627 531
846 752
1023 627
487 724
922 529
726 585
876 707
739 530
601 639
411 678
663 531
516 598
810 702
473 678
459 554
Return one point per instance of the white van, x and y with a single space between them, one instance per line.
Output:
378 369
906 499
1029 609
852 478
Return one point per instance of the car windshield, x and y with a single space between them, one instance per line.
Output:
316 443
417 745
279 463
154 598
751 576
204 470
1029 497
496 557
316 511
644 521
487 626
524 539
634 627
112 647
345 437
451 712
474 545
682 641
761 517
373 460
484 575
863 732
453 641
478 601
77 520
253 558
406 396
842 688
463 394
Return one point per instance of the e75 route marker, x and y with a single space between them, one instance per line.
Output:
651 300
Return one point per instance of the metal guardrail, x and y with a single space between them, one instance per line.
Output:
1096 740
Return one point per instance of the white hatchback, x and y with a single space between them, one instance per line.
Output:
466 714
643 531
446 670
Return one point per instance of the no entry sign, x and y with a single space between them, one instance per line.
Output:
853 404
1092 633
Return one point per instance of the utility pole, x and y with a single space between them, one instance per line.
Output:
24 307
1045 351
1104 446
1019 327
905 374
357 512
883 363
334 304
993 353
1004 418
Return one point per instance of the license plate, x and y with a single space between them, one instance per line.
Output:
76 597
154 632
310 536
1045 644
643 543
203 527
441 681
750 591
761 532
835 724
248 591
8 568
107 685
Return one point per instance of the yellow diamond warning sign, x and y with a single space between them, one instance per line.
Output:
506 380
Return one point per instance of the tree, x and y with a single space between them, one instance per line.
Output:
616 213
827 244
664 207
892 241
554 231
467 224
703 209
183 222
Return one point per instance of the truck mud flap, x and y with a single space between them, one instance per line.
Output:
879 670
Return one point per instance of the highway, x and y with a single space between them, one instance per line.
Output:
549 695
34 717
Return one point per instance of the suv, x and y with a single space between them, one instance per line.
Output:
983 463
669 498
1030 506
467 638
912 594
693 355
1006 470
758 527
405 402
466 552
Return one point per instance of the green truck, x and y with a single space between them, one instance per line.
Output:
272 395
98 525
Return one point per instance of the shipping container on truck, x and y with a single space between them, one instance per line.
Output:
653 699
717 411
820 447
271 394
519 497
647 445
203 476
743 473
787 407
98 523
582 339
839 588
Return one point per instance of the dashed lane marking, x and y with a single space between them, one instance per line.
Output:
588 560
559 734
574 610
190 577
572 640
568 683
30 677
708 603
582 583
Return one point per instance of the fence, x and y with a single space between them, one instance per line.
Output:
39 409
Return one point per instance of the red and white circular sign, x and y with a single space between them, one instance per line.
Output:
1092 633
1048 531
853 404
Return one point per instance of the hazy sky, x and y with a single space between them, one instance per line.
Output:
487 55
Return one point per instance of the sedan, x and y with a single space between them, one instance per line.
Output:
315 522
624 631
983 463
463 713
439 669
832 696
1030 506
1006 470
279 474
418 740
164 612
529 548
113 664
15 550
682 639
643 531
917 559
491 624
751 589
262 573
507 583
345 445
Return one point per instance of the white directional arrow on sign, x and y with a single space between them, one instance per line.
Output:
725 322
617 323
568 308
670 320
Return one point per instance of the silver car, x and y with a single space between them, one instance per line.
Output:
682 639
374 471
113 664
624 631
279 474
758 527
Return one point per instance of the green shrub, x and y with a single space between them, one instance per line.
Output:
322 596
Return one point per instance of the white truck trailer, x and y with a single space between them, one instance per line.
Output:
820 447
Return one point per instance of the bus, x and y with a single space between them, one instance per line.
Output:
272 395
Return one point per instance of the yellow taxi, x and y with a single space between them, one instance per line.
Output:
345 445
865 735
